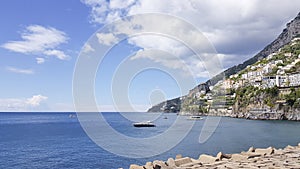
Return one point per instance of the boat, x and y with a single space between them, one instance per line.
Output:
195 118
165 117
72 116
144 124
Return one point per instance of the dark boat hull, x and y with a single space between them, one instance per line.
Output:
144 125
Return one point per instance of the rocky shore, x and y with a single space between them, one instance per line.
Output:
270 158
292 115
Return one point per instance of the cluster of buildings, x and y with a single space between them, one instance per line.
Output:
277 69
261 75
269 73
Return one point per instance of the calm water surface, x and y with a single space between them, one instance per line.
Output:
54 140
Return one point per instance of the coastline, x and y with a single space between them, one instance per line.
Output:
288 157
251 115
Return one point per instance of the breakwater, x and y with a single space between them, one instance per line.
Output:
288 157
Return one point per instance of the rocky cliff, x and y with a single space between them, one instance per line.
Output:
169 106
267 104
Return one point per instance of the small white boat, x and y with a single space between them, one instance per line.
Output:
144 124
72 116
195 118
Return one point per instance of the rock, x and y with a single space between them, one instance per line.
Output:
219 156
227 156
251 154
260 158
178 156
293 155
218 163
171 162
182 161
279 152
207 158
134 166
251 149
157 167
239 157
289 147
149 165
196 166
159 164
267 151
191 164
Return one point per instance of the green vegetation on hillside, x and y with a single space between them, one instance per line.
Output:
254 95
293 99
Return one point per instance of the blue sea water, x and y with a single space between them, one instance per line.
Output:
54 140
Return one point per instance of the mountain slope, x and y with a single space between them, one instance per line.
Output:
291 31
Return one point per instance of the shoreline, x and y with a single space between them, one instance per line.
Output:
259 116
288 157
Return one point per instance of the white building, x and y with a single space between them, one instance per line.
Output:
294 79
278 61
288 54
268 81
245 76
271 56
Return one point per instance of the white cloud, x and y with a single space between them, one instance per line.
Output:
57 53
120 4
234 27
21 71
190 66
40 60
38 40
238 29
36 100
103 11
106 38
159 56
21 104
159 42
180 56
87 48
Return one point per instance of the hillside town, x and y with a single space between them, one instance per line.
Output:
278 69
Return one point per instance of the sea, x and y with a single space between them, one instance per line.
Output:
57 140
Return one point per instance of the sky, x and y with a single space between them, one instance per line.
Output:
41 42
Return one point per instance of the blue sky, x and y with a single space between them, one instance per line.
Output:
40 42
53 78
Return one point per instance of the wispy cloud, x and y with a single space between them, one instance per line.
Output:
21 104
39 40
87 48
59 54
106 38
21 71
103 11
40 60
